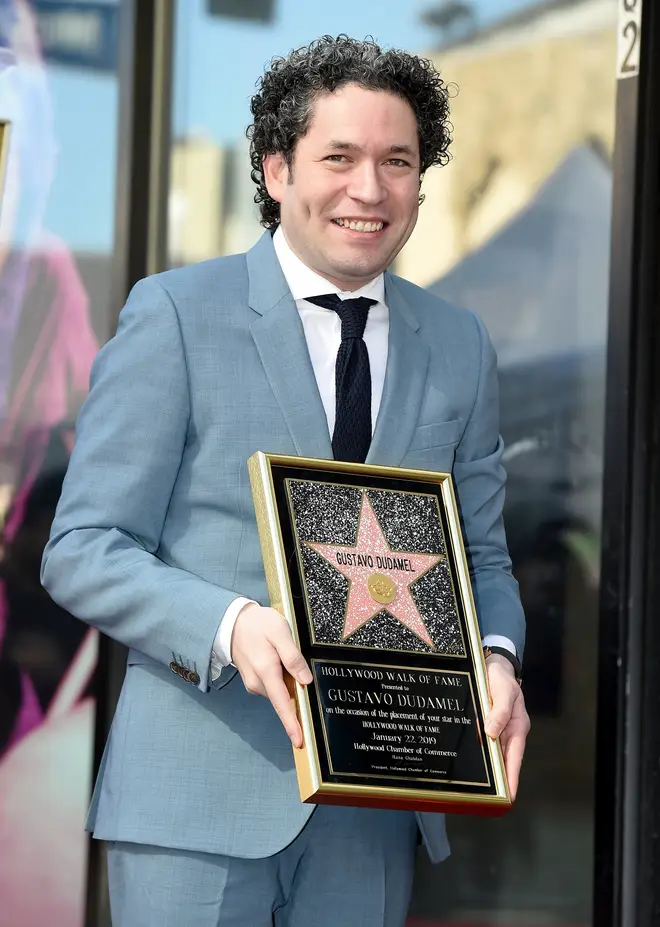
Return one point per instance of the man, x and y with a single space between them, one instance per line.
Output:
155 541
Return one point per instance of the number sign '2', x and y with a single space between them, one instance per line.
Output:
630 34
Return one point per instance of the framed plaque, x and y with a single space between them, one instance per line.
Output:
368 566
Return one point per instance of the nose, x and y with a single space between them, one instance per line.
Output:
365 184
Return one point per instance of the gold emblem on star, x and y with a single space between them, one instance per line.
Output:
381 588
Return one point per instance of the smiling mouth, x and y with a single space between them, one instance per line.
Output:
360 225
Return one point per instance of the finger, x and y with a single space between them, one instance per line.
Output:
253 683
500 713
295 663
513 757
282 702
290 656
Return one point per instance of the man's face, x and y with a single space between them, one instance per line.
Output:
358 163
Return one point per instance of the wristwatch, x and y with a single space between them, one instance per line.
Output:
511 657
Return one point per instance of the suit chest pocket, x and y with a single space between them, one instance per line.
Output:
432 446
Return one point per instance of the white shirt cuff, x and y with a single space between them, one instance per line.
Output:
497 640
221 653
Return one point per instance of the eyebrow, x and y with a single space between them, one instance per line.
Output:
337 145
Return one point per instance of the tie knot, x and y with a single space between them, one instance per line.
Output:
352 312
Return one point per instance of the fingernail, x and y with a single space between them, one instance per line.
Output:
305 678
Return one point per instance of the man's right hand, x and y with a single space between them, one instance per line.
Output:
261 644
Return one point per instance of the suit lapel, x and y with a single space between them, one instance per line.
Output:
405 379
280 340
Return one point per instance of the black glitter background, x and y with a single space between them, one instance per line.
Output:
327 513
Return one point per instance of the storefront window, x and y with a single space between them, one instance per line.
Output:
517 228
58 122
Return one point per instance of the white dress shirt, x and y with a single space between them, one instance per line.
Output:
322 329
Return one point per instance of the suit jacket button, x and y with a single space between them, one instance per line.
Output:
181 671
174 667
194 678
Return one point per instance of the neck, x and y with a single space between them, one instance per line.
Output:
346 286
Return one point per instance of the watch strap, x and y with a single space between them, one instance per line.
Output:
511 657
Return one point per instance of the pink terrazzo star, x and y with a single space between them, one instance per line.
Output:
373 562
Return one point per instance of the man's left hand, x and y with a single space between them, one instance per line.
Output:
508 718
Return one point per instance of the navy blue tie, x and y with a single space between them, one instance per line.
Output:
352 435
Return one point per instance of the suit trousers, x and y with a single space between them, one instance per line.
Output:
349 866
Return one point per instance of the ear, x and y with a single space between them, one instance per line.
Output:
276 175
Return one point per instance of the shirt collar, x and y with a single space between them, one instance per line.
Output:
304 282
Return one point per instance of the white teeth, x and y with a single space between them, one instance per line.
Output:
359 225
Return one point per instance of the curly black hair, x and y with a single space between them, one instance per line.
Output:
283 105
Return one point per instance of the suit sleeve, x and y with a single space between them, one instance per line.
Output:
101 563
480 484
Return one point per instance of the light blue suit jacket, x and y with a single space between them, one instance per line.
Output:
155 532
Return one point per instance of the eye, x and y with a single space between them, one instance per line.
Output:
398 162
336 158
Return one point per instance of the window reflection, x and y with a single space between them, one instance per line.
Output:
516 228
55 256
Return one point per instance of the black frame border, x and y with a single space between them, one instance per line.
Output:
627 799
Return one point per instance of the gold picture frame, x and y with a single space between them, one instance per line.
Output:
5 136
394 783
